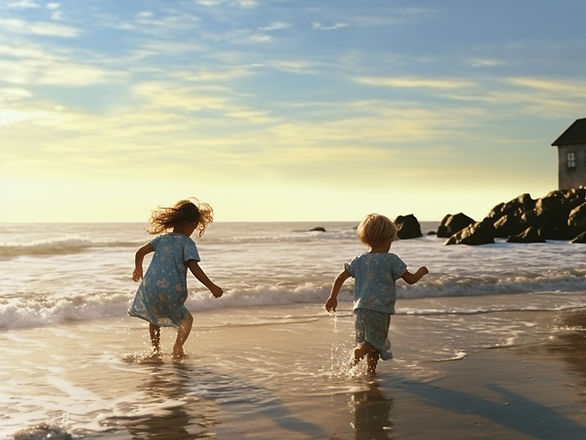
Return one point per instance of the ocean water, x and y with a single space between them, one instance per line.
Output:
55 273
68 351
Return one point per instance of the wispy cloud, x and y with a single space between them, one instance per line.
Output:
179 99
24 4
294 66
245 4
408 82
14 94
210 75
260 38
485 62
31 64
275 26
56 13
331 27
41 28
558 87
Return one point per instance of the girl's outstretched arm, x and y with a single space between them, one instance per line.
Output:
412 278
138 257
332 301
203 278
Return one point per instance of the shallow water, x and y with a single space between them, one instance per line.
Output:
284 375
54 273
266 360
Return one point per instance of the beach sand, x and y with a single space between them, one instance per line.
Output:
280 373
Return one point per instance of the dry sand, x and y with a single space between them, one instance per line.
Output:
280 373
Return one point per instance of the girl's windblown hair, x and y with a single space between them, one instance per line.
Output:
184 211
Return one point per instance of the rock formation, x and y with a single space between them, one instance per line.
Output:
560 215
408 227
453 223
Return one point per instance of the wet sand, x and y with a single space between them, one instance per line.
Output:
280 372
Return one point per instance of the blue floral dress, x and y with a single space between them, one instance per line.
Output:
374 297
162 293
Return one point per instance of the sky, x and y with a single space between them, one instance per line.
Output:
283 110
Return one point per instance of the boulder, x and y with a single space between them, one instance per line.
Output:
551 214
577 217
408 227
514 207
507 225
553 211
451 224
496 212
318 229
474 234
581 238
529 235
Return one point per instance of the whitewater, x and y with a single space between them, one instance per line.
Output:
57 273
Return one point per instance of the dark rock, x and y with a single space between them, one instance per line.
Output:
525 202
432 233
41 432
496 212
408 227
581 238
577 217
552 212
507 225
560 215
514 207
451 224
529 218
529 235
318 229
475 234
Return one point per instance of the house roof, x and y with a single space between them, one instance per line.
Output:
574 134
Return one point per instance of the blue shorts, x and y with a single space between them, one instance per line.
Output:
373 327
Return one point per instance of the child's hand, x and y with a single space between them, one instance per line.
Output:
137 274
217 291
331 304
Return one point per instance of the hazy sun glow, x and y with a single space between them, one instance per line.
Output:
289 110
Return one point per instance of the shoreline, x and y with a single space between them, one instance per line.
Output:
282 374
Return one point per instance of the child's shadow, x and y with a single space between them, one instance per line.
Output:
520 414
194 400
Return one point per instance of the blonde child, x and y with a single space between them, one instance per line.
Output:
162 293
375 274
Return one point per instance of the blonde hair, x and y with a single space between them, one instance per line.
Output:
375 229
184 211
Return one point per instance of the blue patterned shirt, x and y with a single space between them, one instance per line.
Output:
375 275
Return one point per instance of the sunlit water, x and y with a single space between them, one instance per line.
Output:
66 281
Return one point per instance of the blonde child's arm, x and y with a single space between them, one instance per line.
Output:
203 278
138 258
412 278
332 301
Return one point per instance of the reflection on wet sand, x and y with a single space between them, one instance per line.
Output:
372 410
193 402
185 415
569 341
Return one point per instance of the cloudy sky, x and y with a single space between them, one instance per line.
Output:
283 109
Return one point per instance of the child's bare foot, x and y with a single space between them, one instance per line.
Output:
179 354
155 356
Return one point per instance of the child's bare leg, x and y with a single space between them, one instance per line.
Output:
182 334
372 361
155 333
